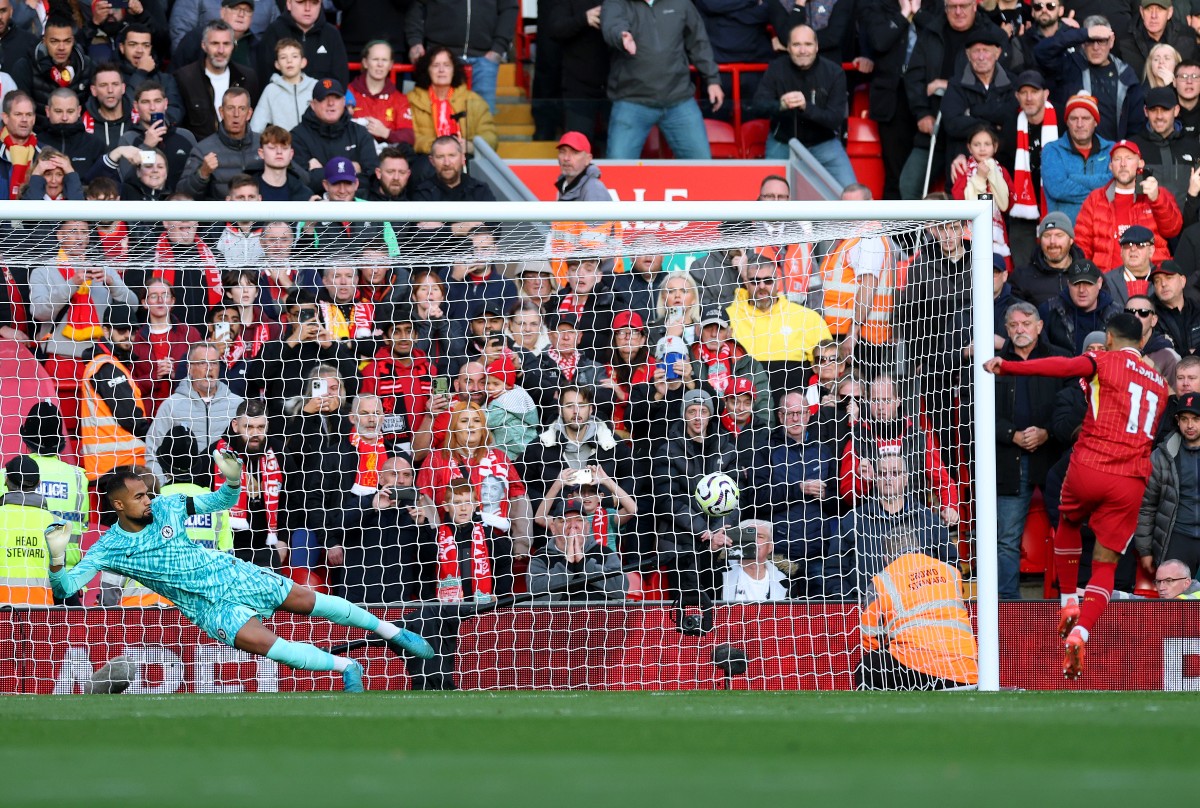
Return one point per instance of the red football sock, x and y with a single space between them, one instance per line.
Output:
1099 589
1068 546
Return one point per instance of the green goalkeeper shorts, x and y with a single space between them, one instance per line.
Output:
251 592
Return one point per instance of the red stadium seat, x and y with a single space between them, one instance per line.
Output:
1035 543
1143 585
722 140
866 153
306 577
754 138
860 103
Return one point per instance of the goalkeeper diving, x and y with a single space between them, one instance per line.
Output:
224 596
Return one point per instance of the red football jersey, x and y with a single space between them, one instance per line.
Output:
1126 399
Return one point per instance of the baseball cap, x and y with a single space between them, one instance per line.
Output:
1164 97
1125 144
340 169
1137 234
1031 78
487 307
576 140
1159 3
1083 271
697 397
328 87
714 314
1167 267
740 386
235 3
562 507
998 263
42 429
629 319
1189 402
1056 221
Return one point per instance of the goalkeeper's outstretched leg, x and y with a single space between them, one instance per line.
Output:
302 600
256 638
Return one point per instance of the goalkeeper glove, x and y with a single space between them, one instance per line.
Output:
58 536
229 464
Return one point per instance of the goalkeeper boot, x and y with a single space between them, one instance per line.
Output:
352 678
411 642
1073 656
1068 616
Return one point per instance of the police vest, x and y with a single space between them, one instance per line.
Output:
103 443
24 561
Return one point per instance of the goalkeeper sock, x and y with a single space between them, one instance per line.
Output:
1099 589
1068 546
306 657
345 613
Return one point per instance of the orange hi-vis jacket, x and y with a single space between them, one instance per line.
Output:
919 615
103 444
795 262
839 284
585 240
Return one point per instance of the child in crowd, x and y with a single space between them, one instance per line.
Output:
464 562
286 97
512 415
984 175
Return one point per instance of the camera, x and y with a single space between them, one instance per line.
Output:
320 387
403 495
745 544
581 477
441 385
158 117
148 157
221 331
306 315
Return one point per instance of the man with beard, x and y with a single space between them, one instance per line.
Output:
203 83
450 183
390 181
17 44
401 375
564 363
1046 277
107 113
255 519
1178 316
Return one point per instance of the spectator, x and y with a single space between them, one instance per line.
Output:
443 106
160 345
1046 277
19 143
575 26
754 579
428 294
525 330
983 93
450 183
114 420
1156 26
793 489
466 555
604 522
1186 380
1085 306
717 274
149 184
1169 521
648 81
536 287
137 66
564 363
469 286
239 15
983 176
629 363
64 132
886 430
889 29
573 565
63 486
1080 60
154 131
1037 126
377 100
289 91
916 631
1046 21
59 62
579 178
1103 218
107 114
278 180
592 305
326 131
804 95
1160 67
304 21
256 518
1187 88
640 288
1025 449
1078 162
483 40
391 181
1173 581
17 42
232 150
202 404
1168 153
1132 277
1178 316
1157 347
53 178
203 83
512 417
183 260
186 15
239 243
689 537
70 298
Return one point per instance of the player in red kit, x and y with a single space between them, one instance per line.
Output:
1109 467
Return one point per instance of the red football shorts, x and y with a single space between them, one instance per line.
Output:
1107 502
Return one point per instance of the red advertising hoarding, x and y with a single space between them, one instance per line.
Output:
661 180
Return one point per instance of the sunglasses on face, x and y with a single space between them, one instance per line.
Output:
1143 313
1045 6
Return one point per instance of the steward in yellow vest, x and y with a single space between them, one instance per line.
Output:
24 563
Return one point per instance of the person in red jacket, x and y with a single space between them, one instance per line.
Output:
377 100
401 375
1133 197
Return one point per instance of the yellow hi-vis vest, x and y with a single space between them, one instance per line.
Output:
839 283
24 559
65 494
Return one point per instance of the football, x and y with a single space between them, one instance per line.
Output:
717 494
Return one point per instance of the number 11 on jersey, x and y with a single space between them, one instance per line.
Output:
1136 394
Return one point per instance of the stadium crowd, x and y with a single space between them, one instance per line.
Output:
453 433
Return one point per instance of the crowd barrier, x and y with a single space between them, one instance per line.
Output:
1137 646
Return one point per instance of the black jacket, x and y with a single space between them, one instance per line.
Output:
323 48
1172 158
968 103
74 141
44 84
199 114
585 53
134 79
544 379
365 20
1065 326
1182 326
824 88
16 46
1135 45
886 32
468 27
177 146
294 190
312 137
1038 282
468 190
319 446
1061 60
678 465
1042 395
109 133
737 30
542 461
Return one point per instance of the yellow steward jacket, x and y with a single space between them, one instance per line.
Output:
24 560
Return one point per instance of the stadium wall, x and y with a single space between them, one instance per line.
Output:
1144 645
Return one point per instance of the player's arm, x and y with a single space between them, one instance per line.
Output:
67 582
1060 367
227 495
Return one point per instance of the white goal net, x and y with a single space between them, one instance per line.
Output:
488 423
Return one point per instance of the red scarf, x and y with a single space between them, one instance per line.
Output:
164 267
371 455
731 425
16 306
444 122
571 304
600 526
566 364
719 364
62 76
20 155
83 321
240 349
265 485
1028 202
450 588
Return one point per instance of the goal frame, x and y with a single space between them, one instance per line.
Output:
978 213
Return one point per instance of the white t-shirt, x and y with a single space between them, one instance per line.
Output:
741 588
220 83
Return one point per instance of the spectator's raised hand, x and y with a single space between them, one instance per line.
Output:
101 11
1069 20
628 43
593 16
155 133
1150 188
1099 33
950 516
1194 182
210 164
864 65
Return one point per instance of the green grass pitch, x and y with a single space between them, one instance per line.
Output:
571 749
